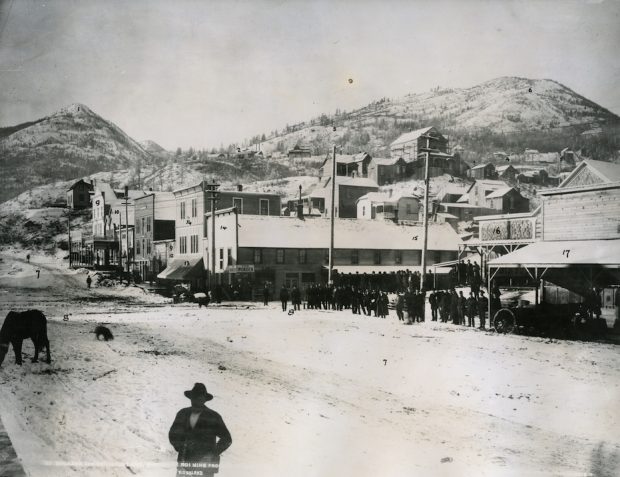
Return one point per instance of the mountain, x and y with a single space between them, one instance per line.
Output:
542 111
152 147
70 143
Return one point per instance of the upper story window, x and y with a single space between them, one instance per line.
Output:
280 255
377 257
148 223
355 257
182 210
398 257
258 255
194 207
302 256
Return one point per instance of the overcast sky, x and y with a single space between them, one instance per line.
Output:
201 73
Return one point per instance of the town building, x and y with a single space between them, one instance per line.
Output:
79 195
506 173
388 206
483 171
112 225
299 152
154 222
387 170
253 250
348 165
191 234
348 190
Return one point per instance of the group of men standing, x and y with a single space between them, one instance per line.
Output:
460 310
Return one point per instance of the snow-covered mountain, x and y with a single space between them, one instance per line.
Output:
70 143
503 106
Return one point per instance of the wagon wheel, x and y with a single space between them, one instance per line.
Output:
504 321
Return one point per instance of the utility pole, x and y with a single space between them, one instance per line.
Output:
213 196
120 240
425 242
331 243
127 229
69 232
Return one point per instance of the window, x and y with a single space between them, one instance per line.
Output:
182 210
137 226
143 227
143 245
398 257
364 211
355 257
194 244
263 206
221 259
229 259
258 255
148 246
148 223
280 255
377 257
238 204
138 248
194 208
182 244
302 256
379 209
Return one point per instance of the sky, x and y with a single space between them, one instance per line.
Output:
204 73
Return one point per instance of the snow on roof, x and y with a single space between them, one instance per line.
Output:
384 161
287 232
582 252
499 193
411 136
482 166
503 168
463 199
385 196
608 170
352 181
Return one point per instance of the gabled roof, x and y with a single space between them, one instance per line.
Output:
499 193
482 166
590 172
489 183
609 171
504 168
290 232
352 181
411 136
384 161
81 181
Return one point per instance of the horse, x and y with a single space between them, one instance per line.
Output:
19 326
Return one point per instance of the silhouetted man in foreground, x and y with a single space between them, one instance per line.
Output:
199 435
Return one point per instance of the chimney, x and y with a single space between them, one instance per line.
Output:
390 193
150 189
240 187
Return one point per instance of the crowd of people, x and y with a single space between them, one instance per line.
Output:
409 302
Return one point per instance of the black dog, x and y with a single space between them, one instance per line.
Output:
20 326
103 332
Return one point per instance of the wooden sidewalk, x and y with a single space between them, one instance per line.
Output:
10 465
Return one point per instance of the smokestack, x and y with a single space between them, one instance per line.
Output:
240 187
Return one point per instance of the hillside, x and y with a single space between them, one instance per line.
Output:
508 113
70 143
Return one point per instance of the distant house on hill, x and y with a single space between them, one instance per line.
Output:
507 172
483 171
348 165
387 170
497 195
532 155
79 195
299 152
388 206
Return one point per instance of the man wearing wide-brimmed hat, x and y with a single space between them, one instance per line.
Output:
199 435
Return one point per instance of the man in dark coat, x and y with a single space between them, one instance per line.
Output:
296 298
284 297
199 435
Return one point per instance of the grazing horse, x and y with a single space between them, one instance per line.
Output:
19 326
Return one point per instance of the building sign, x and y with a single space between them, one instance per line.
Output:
240 269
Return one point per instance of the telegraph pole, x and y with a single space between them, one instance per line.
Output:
127 228
425 243
331 243
69 232
213 196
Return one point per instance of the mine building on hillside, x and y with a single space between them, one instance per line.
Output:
253 250
347 165
414 147
299 152
79 195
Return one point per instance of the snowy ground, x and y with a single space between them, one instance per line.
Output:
318 393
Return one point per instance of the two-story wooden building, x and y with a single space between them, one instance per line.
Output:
348 190
79 195
154 221
191 233
388 206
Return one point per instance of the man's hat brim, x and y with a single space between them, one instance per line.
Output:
191 394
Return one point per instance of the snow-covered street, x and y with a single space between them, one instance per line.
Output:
317 393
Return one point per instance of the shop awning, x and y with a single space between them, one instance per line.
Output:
183 269
563 254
